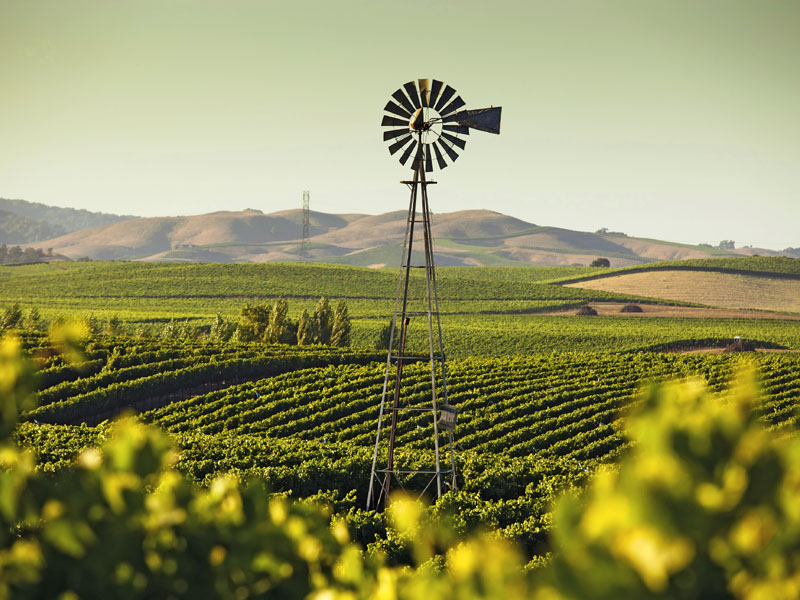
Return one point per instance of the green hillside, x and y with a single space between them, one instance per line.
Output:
18 229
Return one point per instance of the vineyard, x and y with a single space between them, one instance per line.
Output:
488 311
544 400
302 418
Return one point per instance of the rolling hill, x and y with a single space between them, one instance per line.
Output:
22 221
469 238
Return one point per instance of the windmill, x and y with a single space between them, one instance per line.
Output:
425 119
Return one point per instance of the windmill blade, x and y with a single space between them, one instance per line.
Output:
393 133
439 158
403 99
411 90
456 129
428 162
424 90
450 152
436 87
404 158
454 140
387 120
397 110
446 95
483 119
399 144
453 106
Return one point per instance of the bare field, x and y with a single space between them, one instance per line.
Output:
722 290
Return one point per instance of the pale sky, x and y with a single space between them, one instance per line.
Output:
671 119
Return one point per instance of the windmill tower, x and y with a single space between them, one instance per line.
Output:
424 121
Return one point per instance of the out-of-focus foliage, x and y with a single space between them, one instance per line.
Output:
125 524
705 505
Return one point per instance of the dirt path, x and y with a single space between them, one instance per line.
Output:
607 309
722 350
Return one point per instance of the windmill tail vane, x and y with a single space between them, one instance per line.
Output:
425 119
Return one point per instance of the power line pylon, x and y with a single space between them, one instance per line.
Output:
306 220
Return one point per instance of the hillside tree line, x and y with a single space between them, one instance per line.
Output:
16 255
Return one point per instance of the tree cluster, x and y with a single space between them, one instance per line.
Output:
15 255
272 324
17 229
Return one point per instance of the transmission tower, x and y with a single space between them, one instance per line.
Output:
429 125
306 219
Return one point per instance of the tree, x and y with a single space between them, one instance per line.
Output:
277 321
600 262
221 329
33 321
306 329
254 323
340 331
727 245
114 326
323 321
12 317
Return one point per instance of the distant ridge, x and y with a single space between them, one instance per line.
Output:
22 221
471 237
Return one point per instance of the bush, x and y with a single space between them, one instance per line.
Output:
740 346
586 311
600 262
631 308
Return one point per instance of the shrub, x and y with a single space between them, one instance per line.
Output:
740 346
631 308
600 262
586 311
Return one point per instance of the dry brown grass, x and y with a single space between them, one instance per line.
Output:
713 289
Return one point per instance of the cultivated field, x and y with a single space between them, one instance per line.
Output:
303 419
543 394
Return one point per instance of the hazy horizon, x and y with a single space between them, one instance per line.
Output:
674 120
